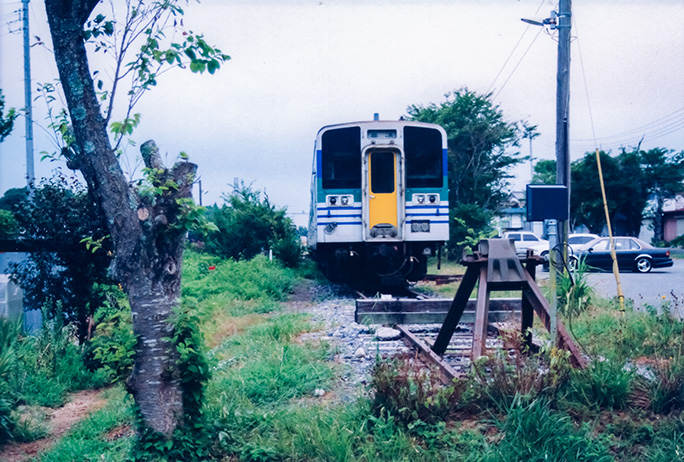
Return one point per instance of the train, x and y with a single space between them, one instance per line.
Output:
379 200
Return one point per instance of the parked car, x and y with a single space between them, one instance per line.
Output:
632 255
577 240
524 240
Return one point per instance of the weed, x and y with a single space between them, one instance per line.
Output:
603 384
505 375
661 386
412 393
667 447
49 366
533 432
30 424
243 280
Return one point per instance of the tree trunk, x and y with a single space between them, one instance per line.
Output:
658 235
148 251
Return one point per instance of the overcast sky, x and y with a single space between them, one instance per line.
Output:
298 65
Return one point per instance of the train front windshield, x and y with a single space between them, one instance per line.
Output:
423 151
341 158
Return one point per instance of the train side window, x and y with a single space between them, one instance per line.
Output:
341 162
423 151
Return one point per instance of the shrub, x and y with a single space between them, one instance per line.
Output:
66 280
248 225
677 242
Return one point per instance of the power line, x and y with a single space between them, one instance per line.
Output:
664 123
510 55
518 64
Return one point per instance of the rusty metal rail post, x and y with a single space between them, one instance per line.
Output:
498 268
459 304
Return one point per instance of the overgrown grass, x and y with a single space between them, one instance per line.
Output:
264 401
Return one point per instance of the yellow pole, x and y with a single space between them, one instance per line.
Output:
616 271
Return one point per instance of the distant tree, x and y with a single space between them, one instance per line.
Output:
544 172
663 173
13 197
147 220
6 120
8 225
624 196
248 224
633 194
480 142
64 278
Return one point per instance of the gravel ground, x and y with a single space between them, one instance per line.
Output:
359 346
354 345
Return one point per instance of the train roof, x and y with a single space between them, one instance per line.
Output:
381 123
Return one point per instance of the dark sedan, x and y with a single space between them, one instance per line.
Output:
632 255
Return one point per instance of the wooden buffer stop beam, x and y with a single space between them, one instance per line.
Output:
497 267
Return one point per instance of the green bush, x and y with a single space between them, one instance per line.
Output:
205 276
67 281
248 225
677 242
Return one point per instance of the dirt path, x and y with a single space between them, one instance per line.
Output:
59 421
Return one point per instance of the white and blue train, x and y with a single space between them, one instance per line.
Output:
379 200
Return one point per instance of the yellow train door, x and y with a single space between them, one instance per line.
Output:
382 194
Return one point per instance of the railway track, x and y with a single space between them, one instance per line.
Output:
418 318
494 267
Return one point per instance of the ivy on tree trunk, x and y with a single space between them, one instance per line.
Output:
146 237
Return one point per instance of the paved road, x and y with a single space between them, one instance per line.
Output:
665 285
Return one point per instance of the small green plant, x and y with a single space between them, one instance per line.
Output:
603 384
112 346
534 432
31 424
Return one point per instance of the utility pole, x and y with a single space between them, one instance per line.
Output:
563 109
30 172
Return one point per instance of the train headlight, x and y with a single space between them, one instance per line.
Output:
419 198
432 198
332 200
344 200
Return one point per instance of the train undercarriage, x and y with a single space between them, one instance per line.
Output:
387 264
